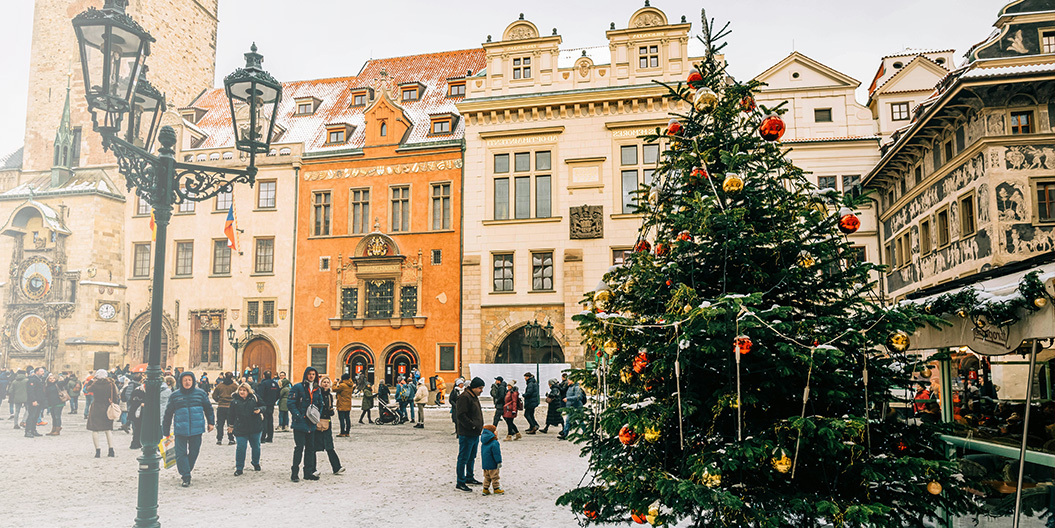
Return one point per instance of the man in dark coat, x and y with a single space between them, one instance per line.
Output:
498 396
268 391
530 401
469 422
35 401
222 394
302 396
191 411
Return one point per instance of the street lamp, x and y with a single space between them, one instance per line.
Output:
238 344
538 335
113 49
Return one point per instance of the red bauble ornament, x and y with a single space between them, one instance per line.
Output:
638 517
643 247
627 436
640 362
742 344
674 127
747 104
669 283
685 236
772 128
590 510
695 78
901 445
698 175
849 223
662 249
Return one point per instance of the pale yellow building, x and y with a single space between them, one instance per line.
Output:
552 155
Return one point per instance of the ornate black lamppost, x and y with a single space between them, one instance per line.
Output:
238 344
537 335
113 50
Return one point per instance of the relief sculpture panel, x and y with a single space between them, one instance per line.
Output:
1029 157
960 177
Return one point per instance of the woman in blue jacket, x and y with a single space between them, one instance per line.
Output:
190 414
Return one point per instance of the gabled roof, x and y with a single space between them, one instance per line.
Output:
838 78
12 160
920 61
83 181
431 70
911 52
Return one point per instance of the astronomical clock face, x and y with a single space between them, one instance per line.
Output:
32 329
36 280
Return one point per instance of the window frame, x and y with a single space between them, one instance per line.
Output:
625 252
183 264
1017 130
415 90
257 255
1036 185
521 178
628 201
834 182
404 209
445 202
355 98
454 357
451 89
901 109
135 259
963 218
1046 45
944 210
320 368
336 136
505 256
521 68
217 243
359 210
370 311
817 113
649 56
260 194
326 207
142 207
224 197
925 236
542 268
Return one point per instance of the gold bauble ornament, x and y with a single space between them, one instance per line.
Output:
820 207
962 313
611 347
926 373
653 514
1040 302
934 487
898 342
602 298
651 434
711 480
705 100
626 375
733 184
782 464
806 260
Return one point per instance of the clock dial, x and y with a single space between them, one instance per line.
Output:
107 311
32 329
36 280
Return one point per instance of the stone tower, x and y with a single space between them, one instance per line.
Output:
182 65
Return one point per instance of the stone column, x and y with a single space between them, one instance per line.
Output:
573 290
471 351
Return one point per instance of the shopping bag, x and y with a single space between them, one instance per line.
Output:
167 450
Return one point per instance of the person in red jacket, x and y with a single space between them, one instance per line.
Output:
510 411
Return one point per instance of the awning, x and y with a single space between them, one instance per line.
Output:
993 340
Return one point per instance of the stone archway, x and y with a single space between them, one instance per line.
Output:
517 348
400 360
357 358
137 342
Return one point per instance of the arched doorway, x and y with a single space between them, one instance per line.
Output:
519 348
137 339
401 361
358 360
259 352
146 348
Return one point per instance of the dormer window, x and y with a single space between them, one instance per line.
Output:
522 68
338 133
361 96
441 124
411 91
192 115
648 57
456 89
336 136
307 105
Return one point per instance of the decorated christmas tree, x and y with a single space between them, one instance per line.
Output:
745 367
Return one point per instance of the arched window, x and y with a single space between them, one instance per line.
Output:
384 129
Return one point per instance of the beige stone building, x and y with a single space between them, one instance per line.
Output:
552 155
829 133
902 81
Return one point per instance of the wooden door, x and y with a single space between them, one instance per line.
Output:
259 352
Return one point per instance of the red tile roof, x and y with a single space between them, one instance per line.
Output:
432 70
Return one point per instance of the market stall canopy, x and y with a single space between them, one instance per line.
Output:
991 338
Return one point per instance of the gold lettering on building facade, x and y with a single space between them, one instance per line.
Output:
405 168
633 132
508 142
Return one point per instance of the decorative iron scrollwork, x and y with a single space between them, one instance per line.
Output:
197 183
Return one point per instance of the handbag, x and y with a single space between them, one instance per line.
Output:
113 412
323 425
64 396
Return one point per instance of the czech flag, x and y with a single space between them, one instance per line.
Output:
230 228
153 227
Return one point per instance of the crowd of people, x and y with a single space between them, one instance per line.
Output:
242 409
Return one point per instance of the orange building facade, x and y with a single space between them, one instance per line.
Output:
378 239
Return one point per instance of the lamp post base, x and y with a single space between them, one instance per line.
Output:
149 471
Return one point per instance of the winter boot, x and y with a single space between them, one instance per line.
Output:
52 432
57 431
544 430
509 438
111 454
518 436
98 452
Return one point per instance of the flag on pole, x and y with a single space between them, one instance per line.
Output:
153 227
230 228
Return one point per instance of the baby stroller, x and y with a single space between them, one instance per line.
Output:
386 415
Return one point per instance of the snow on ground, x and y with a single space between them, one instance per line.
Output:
395 474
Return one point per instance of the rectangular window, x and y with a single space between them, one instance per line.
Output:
268 315
650 154
349 303
855 255
408 301
629 181
446 358
141 260
224 201
335 136
142 207
904 185
441 206
209 345
1022 122
522 68
186 206
522 162
852 185
924 237
899 112
943 228
456 90
822 115
648 57
542 197
319 358
360 210
542 160
324 263
503 272
75 151
961 139
899 257
305 108
359 99
542 271
522 197
379 297
437 257
1047 42
322 210
410 94
967 216
265 195
400 209
221 257
948 150
252 312
628 155
620 256
826 182
184 259
919 174
442 126
936 155
501 163
1045 201
265 255
890 257
501 198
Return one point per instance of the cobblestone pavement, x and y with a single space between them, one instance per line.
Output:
394 474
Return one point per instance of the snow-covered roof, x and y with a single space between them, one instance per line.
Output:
908 52
12 160
1003 71
83 181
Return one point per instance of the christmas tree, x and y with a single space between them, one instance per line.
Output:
745 364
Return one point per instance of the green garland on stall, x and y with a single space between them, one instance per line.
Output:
966 303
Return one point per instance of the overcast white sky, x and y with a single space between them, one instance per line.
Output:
327 38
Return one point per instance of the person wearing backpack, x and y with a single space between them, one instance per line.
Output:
73 389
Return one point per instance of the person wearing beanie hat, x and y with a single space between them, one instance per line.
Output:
490 460
469 422
190 414
498 397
